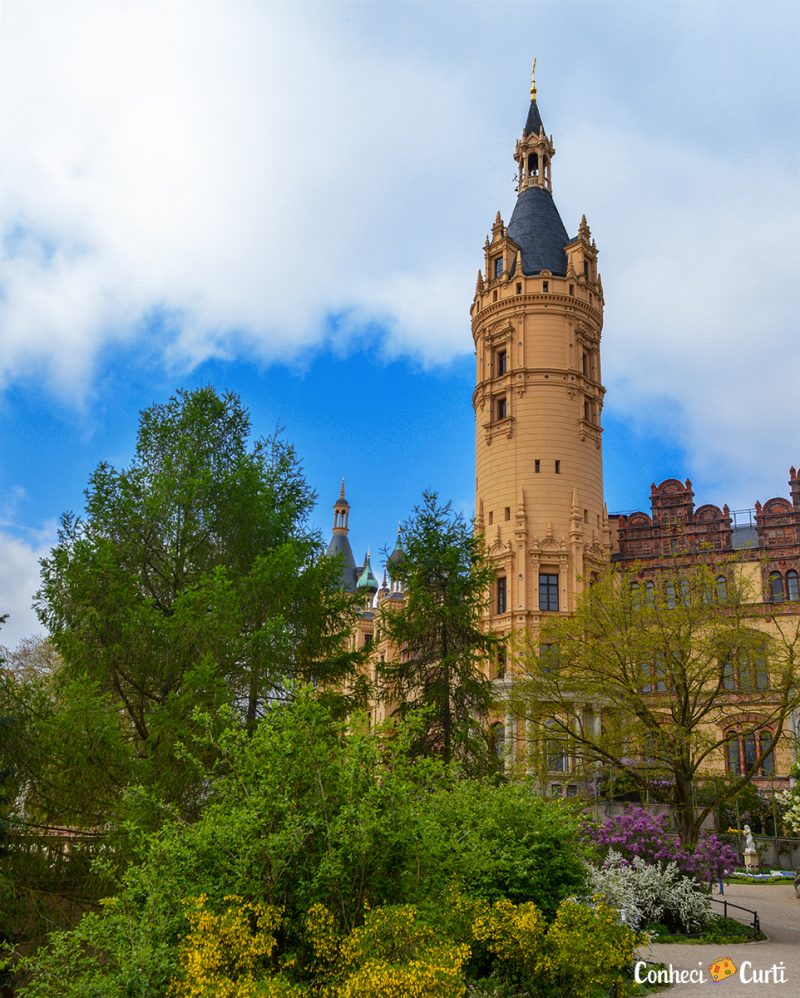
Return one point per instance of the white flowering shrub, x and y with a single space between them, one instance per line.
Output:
789 801
647 892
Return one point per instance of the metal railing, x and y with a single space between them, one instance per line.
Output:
729 904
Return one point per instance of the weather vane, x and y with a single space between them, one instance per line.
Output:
533 80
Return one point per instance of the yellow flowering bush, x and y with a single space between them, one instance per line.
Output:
392 955
224 955
436 973
587 948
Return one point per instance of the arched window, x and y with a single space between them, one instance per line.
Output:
650 593
670 589
502 594
767 763
722 588
750 751
499 740
732 754
792 585
775 587
636 599
728 680
555 748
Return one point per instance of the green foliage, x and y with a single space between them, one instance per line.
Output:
193 580
503 841
446 580
304 814
656 659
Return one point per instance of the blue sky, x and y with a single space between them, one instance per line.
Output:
291 202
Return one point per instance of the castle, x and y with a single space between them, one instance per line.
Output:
537 320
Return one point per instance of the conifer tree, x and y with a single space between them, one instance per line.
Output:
442 649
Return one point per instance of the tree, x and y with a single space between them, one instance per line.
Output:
193 579
660 681
440 647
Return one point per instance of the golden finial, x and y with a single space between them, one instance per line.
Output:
533 80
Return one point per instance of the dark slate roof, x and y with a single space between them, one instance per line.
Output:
534 123
744 537
340 545
537 229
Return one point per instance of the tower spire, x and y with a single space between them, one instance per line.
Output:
533 79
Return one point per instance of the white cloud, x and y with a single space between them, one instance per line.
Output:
248 170
19 580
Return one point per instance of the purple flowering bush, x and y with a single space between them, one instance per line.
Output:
636 832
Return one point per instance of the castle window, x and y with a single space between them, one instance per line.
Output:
498 266
491 518
548 658
367 639
501 662
508 512
572 289
555 748
502 362
548 591
586 516
775 587
586 268
722 588
587 410
501 594
792 587
558 467
537 466
545 287
502 407
499 740
519 289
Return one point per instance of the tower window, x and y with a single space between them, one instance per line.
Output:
502 361
519 289
587 410
775 587
586 516
545 287
586 268
572 289
548 591
558 467
502 408
491 518
508 512
501 594
537 466
792 587
498 266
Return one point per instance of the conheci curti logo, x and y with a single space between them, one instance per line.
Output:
720 970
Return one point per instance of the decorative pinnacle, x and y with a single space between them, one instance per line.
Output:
341 491
533 80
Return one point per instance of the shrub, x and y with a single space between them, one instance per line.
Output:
638 833
648 892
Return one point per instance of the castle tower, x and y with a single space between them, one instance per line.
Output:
537 316
340 542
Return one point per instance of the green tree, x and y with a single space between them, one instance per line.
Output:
193 579
648 678
442 649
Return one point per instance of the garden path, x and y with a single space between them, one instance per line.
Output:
779 911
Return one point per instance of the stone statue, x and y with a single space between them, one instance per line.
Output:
749 841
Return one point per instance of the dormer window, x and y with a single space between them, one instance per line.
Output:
498 266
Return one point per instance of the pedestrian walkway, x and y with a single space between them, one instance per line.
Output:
779 911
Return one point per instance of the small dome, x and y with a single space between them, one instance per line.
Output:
397 556
367 583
